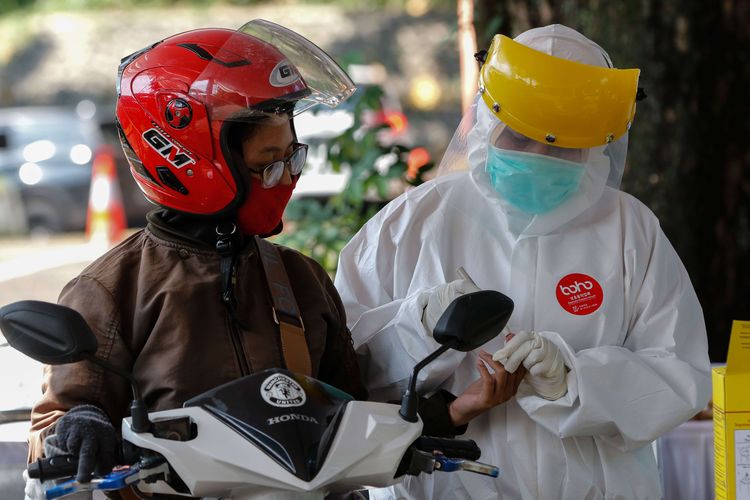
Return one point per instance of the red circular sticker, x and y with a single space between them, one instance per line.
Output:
579 294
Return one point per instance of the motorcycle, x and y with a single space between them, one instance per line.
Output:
271 434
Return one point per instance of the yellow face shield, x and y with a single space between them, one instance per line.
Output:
556 101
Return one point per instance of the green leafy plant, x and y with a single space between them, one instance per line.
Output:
378 172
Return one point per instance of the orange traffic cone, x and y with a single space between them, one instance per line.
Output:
105 220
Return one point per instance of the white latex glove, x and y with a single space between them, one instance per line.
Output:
517 347
441 297
543 360
34 489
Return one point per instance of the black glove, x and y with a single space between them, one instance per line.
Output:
85 432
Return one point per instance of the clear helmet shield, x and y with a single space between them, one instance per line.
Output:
327 82
266 68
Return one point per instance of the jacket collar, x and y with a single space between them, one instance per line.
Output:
193 231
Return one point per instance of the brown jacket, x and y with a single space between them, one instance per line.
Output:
154 303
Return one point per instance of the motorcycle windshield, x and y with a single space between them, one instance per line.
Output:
291 417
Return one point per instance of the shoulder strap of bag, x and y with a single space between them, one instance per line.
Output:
285 311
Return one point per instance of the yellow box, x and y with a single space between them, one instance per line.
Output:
731 400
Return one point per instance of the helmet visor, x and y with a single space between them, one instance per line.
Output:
556 101
265 68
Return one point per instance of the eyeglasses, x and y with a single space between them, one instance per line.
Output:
273 172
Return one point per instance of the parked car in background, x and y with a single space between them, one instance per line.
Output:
46 158
46 154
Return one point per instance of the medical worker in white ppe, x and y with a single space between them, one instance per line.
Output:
606 320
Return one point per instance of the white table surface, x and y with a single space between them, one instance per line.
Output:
686 460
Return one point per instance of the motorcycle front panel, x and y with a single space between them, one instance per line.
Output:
289 416
363 446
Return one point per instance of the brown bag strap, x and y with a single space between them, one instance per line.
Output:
285 311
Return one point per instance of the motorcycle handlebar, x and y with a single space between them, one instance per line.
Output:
455 448
45 469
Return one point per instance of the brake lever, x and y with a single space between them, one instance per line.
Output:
117 479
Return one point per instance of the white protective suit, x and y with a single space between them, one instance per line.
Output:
637 351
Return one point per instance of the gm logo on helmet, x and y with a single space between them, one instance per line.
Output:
283 74
175 155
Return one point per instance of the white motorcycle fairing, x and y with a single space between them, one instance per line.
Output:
369 442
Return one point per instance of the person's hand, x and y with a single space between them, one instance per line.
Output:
543 360
490 390
86 432
441 297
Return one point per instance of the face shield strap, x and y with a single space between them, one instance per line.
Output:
481 57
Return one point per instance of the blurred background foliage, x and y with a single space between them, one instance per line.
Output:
378 171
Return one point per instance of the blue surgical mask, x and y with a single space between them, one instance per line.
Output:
532 182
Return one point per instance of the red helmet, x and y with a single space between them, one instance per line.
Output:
177 97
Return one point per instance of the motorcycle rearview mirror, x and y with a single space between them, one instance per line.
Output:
470 321
55 334
49 333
